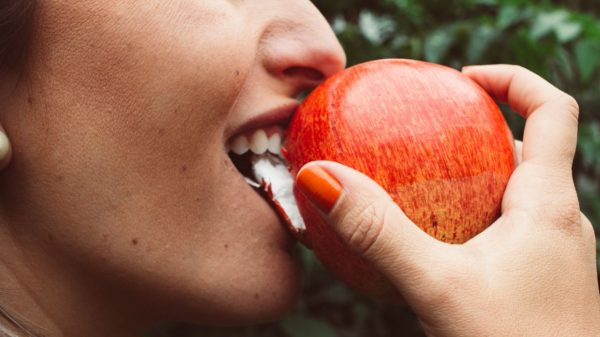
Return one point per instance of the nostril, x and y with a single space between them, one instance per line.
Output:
304 73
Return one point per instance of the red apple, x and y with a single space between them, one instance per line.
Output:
430 136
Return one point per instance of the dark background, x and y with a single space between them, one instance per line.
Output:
559 40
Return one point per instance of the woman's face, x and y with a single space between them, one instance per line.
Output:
120 168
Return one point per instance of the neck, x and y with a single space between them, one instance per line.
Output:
46 286
46 294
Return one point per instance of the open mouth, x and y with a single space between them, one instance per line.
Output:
246 146
258 157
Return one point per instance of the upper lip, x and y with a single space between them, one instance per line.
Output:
279 115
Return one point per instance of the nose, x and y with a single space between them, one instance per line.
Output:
301 49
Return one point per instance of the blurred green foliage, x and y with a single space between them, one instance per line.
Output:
559 40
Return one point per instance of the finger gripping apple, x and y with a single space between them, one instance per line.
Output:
430 136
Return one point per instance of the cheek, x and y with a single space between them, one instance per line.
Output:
123 141
143 67
142 87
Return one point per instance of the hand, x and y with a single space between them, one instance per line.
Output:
5 149
532 273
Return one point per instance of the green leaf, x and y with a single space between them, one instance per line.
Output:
486 2
479 42
401 4
564 62
507 16
375 28
567 31
546 22
587 55
302 326
588 146
438 44
339 24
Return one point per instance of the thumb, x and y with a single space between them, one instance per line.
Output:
369 222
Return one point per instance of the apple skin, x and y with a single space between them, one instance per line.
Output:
429 135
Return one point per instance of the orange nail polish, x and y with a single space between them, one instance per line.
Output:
319 186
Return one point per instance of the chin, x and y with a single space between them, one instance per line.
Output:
256 293
276 296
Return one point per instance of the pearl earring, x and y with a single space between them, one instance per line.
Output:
4 146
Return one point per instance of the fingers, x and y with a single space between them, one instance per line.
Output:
551 130
5 150
369 222
542 184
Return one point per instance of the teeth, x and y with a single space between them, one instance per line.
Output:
275 144
258 142
239 145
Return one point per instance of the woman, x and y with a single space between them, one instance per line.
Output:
121 208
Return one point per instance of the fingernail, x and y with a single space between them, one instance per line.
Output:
4 145
319 186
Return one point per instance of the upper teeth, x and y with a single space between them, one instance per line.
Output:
258 141
275 144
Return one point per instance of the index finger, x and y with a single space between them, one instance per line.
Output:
550 136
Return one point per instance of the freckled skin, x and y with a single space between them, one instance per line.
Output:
427 134
131 102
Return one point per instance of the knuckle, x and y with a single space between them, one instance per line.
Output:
520 69
518 72
571 107
367 226
566 153
571 207
568 220
587 230
564 215
570 213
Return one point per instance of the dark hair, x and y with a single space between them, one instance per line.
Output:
15 23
